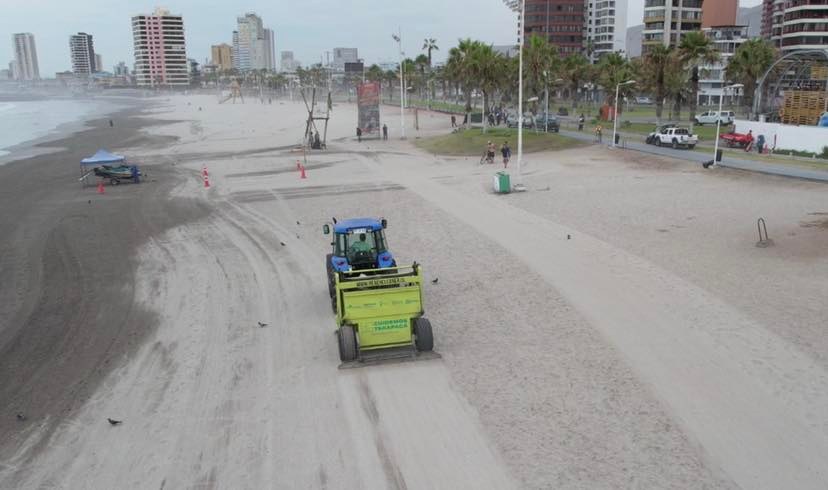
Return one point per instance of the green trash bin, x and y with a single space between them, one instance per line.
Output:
502 183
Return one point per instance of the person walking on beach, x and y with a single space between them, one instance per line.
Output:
506 152
453 122
598 133
359 134
581 123
385 132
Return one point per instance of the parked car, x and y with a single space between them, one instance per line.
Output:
528 121
651 138
712 117
676 137
643 100
550 123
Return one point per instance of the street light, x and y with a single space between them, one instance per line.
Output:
615 116
719 119
398 38
519 6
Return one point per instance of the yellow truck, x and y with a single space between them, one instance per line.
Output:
379 314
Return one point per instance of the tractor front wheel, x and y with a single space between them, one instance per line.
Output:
424 339
347 344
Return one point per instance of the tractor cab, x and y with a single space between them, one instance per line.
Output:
359 244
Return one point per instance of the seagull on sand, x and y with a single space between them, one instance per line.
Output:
262 325
114 422
436 280
21 417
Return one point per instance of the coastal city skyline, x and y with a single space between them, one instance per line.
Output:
308 36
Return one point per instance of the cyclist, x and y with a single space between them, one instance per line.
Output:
490 152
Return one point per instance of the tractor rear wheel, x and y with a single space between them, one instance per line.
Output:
347 344
424 339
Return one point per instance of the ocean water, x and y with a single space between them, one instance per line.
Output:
22 121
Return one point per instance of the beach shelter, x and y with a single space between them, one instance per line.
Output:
101 157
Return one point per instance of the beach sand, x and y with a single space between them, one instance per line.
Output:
614 327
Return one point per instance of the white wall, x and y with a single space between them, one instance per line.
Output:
802 138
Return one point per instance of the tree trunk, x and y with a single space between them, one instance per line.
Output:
677 108
659 95
694 95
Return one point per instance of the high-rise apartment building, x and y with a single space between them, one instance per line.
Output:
606 27
160 50
561 22
98 63
726 40
719 13
796 24
253 45
222 56
665 21
82 52
25 57
342 56
270 49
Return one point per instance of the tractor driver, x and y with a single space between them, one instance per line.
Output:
362 245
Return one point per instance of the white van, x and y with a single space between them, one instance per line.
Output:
712 117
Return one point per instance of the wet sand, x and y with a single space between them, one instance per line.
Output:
67 306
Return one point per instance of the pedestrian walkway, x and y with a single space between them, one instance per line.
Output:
696 157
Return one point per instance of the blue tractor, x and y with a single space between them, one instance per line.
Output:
358 244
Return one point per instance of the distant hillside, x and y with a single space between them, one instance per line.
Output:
751 17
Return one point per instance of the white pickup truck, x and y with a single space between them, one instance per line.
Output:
676 137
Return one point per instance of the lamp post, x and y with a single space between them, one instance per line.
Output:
519 6
398 38
719 119
615 115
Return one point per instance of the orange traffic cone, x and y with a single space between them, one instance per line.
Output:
100 187
206 181
302 175
204 171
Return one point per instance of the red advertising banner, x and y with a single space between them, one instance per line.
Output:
368 99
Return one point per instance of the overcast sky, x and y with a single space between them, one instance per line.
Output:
308 27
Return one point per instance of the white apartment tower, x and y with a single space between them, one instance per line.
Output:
606 27
665 21
254 47
160 50
25 57
82 51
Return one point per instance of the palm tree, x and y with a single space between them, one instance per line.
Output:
430 45
422 64
614 69
488 67
749 63
539 59
694 50
676 84
574 70
374 73
655 65
461 68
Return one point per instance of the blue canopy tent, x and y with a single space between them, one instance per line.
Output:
105 158
102 157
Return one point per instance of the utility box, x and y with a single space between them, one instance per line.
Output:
502 183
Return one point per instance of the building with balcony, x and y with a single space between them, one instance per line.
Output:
793 25
222 56
160 50
726 40
665 21
82 53
561 22
26 66
606 27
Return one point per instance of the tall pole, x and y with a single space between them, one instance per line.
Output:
546 94
615 116
719 119
520 91
398 37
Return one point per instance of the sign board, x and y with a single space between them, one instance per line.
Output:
368 99
353 67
